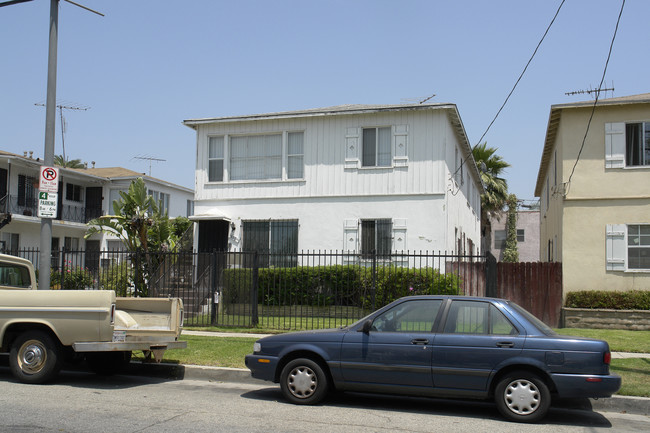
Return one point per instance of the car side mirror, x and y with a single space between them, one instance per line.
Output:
366 326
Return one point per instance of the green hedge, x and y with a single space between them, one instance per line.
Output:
632 300
335 285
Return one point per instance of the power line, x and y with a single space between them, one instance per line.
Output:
515 86
522 72
602 80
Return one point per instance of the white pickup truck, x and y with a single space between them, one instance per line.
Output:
41 328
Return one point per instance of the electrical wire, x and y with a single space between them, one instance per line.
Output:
516 83
593 108
522 73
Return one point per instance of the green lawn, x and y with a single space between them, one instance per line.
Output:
230 352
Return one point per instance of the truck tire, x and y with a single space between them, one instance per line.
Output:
35 357
108 363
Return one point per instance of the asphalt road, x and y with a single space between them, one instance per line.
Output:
83 402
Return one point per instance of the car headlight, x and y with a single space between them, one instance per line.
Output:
257 347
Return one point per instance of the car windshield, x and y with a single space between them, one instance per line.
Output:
532 319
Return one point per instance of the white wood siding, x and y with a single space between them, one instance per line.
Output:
421 169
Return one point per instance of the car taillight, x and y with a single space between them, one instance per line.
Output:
607 358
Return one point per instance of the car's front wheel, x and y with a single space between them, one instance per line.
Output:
522 396
303 381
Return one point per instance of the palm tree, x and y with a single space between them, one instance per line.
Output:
491 167
67 163
495 196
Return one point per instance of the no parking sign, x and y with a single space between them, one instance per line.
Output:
49 181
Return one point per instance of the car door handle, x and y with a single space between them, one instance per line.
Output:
419 341
505 344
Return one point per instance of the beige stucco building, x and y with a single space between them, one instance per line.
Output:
594 189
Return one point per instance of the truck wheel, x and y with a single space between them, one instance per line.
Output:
35 357
108 363
303 381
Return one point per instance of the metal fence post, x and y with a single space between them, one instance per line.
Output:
254 288
213 312
62 268
373 289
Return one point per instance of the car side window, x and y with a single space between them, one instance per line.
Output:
409 316
475 317
14 276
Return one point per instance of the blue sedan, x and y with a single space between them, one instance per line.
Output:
440 346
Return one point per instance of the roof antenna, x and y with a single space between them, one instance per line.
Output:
150 159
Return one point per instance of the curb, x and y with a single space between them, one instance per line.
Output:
616 403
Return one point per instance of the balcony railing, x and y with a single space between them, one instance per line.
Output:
29 207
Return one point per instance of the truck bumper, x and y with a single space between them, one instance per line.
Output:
104 346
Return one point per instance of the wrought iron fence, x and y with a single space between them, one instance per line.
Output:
236 289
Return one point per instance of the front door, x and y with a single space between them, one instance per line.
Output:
396 351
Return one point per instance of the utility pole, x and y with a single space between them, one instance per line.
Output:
50 129
50 119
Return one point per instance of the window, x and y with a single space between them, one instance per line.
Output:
410 316
71 244
276 240
14 276
9 243
500 239
295 155
376 237
256 157
638 246
471 317
189 211
376 147
162 199
215 159
73 192
521 235
637 144
26 191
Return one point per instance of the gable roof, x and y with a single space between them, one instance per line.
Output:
121 173
554 124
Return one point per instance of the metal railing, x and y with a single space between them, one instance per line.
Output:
238 289
28 206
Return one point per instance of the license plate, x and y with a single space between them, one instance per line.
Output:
119 336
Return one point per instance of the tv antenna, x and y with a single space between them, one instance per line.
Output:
592 91
64 124
151 159
419 100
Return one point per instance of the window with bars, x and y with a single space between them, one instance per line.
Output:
376 151
73 192
275 240
376 237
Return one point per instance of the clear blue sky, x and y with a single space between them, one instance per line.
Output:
148 65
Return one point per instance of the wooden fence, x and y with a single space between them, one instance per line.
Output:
535 286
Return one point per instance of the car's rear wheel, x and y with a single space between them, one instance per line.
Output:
303 381
522 396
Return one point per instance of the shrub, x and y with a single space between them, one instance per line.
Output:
335 285
118 278
73 278
632 300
